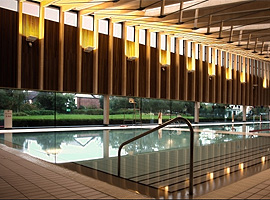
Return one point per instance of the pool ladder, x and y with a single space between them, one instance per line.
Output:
157 128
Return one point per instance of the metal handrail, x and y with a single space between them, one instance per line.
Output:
157 128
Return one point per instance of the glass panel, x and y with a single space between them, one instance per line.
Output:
181 47
131 33
210 54
88 22
30 8
204 53
189 46
9 4
70 18
52 14
153 39
197 51
163 42
142 36
216 56
117 30
103 26
173 44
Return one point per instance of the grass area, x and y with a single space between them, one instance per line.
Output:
96 117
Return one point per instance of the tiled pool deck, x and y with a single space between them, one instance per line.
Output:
25 177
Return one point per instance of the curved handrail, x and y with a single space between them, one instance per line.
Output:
157 128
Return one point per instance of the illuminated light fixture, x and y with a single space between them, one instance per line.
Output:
164 60
243 71
211 175
228 73
30 40
263 159
241 166
228 170
211 69
88 49
243 77
264 82
166 188
53 151
191 64
131 52
229 68
212 66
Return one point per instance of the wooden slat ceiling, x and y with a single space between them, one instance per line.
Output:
247 20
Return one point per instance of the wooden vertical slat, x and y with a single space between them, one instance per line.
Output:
251 89
239 83
61 51
234 80
267 85
8 48
206 76
219 78
229 82
148 59
259 83
255 83
177 68
200 78
264 89
248 82
19 47
87 64
95 56
136 73
168 71
103 63
212 88
192 75
110 58
185 72
41 46
124 60
158 66
243 85
79 53
224 88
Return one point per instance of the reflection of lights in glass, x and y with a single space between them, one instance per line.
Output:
166 188
170 141
263 159
228 170
241 166
211 175
53 151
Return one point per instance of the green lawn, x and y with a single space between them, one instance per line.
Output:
81 116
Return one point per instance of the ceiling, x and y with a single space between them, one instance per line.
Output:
239 26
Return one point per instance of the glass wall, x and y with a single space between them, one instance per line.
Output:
34 108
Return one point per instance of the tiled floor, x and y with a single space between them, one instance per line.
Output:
25 177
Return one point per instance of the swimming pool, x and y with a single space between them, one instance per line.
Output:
159 160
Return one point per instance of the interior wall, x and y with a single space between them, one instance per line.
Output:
194 85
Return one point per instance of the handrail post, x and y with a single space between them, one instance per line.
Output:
157 128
